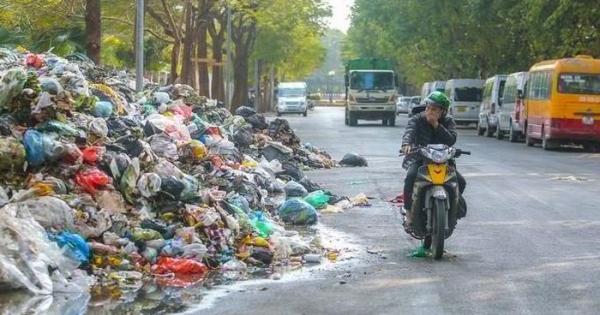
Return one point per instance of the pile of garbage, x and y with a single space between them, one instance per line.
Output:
102 185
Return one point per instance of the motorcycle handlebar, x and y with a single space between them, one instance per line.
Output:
459 152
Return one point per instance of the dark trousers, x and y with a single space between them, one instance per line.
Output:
409 183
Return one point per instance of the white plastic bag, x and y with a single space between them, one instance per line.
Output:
26 254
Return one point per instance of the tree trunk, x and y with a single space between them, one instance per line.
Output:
93 29
218 39
265 90
243 37
240 79
218 88
187 65
174 61
202 50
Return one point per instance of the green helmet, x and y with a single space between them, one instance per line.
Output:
438 98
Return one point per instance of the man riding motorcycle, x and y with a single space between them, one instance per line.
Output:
433 126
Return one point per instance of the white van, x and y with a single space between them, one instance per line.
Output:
425 89
492 94
510 115
291 98
465 98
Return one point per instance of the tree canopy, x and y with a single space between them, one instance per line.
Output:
440 39
179 35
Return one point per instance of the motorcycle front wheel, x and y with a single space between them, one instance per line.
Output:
438 235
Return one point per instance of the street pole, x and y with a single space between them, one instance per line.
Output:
139 54
228 64
331 74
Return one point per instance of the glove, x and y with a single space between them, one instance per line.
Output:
406 149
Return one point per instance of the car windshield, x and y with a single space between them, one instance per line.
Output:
468 94
577 83
291 92
372 81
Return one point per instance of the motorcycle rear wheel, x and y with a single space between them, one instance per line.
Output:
438 234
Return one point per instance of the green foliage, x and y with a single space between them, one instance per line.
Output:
439 39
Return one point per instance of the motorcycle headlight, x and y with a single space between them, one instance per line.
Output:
438 156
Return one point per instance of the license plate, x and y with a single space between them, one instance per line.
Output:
587 120
461 109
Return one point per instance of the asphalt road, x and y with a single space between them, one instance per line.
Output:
528 245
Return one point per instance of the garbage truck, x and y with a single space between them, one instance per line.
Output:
371 91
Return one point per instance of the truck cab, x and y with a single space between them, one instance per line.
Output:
370 91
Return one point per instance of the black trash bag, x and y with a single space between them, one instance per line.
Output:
294 189
333 199
353 159
245 111
309 184
263 256
292 170
132 145
171 188
243 137
119 159
278 125
271 153
7 124
150 129
258 121
119 126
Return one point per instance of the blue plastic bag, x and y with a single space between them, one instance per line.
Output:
297 211
103 109
34 147
77 247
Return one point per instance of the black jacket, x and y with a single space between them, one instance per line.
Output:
419 132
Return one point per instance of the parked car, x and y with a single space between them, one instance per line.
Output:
415 101
465 98
402 105
511 116
492 100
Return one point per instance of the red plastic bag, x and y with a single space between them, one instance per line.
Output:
34 61
91 154
178 266
91 180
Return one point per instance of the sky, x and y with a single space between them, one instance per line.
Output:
341 14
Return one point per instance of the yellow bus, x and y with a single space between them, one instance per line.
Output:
562 103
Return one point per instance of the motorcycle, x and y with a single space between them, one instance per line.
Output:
311 106
436 197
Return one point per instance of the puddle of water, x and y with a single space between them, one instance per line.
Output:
162 297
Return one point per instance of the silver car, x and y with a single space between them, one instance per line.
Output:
402 105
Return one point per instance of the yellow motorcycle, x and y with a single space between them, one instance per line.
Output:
436 197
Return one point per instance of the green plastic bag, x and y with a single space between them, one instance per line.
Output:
317 199
418 252
263 225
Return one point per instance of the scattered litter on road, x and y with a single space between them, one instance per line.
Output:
571 179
